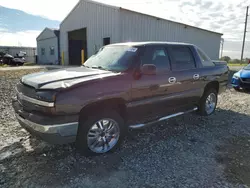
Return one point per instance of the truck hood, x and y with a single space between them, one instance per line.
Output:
64 78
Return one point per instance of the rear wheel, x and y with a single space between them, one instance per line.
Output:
100 133
208 102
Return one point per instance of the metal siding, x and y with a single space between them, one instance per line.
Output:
122 25
101 21
139 27
47 58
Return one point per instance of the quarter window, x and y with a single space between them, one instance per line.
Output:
206 62
182 58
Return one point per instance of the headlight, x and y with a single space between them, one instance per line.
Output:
235 77
48 96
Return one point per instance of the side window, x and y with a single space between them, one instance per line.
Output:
182 58
106 41
157 56
43 51
52 50
206 62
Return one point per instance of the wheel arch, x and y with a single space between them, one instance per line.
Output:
213 84
117 104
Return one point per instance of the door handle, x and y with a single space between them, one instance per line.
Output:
196 76
172 80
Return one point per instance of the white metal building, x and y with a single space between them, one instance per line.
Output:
90 25
14 50
48 46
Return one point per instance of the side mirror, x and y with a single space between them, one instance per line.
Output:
148 69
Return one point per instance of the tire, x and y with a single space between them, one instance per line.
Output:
236 88
203 110
83 141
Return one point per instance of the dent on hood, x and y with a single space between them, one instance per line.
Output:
69 83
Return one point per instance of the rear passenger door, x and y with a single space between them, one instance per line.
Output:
185 77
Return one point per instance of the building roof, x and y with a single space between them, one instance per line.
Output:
53 29
56 31
148 43
116 7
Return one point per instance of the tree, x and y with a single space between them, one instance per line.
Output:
226 58
236 61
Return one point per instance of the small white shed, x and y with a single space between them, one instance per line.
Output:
48 44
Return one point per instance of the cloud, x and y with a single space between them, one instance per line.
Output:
16 20
215 26
52 9
206 5
22 38
3 30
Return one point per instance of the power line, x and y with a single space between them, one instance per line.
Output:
244 37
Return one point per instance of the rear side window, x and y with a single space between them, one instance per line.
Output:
205 60
182 58
157 56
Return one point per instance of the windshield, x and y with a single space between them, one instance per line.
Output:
113 58
247 67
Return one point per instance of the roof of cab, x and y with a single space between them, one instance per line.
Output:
148 43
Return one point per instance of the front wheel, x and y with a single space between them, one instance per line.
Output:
208 102
100 133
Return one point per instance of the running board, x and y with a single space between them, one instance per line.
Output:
138 126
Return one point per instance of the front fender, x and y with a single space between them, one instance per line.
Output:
71 101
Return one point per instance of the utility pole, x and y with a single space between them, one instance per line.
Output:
244 37
222 45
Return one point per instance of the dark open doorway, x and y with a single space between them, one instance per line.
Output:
77 43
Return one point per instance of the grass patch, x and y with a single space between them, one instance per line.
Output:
236 64
29 64
3 65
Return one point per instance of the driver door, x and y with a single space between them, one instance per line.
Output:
148 91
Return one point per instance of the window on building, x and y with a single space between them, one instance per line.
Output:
43 51
182 58
206 61
106 41
52 50
157 56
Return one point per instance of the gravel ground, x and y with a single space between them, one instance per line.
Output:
188 151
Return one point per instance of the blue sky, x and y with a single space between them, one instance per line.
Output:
225 16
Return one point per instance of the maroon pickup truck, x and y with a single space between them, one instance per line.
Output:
128 85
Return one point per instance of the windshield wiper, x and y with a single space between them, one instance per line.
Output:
85 66
98 67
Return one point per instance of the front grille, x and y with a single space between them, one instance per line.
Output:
246 80
29 106
26 90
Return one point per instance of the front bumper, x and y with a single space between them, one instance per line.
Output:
55 130
239 83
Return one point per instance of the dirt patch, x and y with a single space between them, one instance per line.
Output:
17 74
234 154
